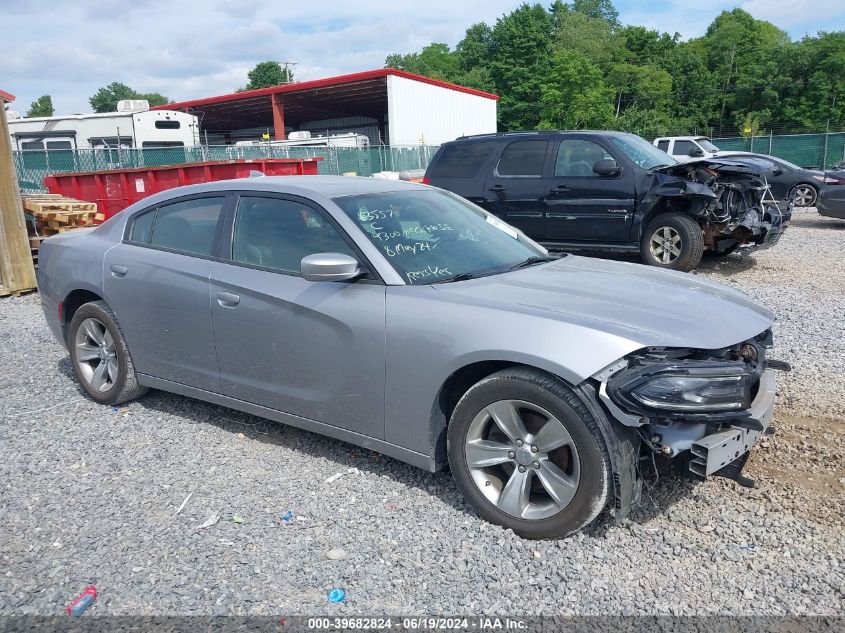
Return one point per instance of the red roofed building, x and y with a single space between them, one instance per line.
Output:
389 106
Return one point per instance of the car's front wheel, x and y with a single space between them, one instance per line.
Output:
528 455
673 241
99 355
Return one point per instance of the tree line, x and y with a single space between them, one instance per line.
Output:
575 66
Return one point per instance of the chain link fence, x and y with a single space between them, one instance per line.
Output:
819 151
33 165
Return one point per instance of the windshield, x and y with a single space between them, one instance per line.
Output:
642 152
706 145
431 236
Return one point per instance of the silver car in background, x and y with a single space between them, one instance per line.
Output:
406 320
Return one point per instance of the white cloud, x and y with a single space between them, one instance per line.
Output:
194 48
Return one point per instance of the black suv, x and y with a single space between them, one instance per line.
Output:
612 191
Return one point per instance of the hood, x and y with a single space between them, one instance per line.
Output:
648 306
718 164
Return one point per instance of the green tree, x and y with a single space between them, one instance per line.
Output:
597 9
435 60
106 98
266 74
519 64
574 94
42 106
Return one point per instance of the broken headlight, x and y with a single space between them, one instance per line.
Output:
684 386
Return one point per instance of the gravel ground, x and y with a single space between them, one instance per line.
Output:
90 495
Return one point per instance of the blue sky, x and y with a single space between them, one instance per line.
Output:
197 48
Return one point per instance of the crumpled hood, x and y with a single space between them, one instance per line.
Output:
649 306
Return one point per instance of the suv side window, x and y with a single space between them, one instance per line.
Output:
576 157
188 226
523 158
663 145
461 160
276 233
682 148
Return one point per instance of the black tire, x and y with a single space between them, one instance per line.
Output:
551 394
691 242
125 386
809 200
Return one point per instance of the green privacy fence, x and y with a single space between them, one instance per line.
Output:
819 151
33 165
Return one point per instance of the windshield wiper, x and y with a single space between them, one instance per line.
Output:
536 259
458 277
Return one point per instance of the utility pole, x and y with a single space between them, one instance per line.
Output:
286 69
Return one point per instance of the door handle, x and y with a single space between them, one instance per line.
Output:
119 271
227 299
559 189
498 188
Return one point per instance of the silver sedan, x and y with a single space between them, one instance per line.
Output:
404 319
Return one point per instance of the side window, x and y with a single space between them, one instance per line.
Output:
278 233
663 145
682 148
461 160
142 227
576 157
188 226
523 158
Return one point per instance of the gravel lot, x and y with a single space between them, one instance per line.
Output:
90 494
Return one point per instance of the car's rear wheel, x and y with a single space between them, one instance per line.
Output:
805 195
673 241
99 355
528 455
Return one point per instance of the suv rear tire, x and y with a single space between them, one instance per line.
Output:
674 241
527 454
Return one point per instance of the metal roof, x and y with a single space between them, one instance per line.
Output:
328 82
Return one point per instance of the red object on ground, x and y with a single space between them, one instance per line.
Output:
81 603
115 189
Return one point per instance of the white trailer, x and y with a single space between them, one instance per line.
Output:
133 126
306 139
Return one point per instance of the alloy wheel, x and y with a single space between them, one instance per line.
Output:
96 357
805 196
665 244
522 459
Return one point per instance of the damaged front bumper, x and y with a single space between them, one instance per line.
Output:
716 451
741 392
756 231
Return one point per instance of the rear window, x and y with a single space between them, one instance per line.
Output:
461 160
523 158
167 124
664 145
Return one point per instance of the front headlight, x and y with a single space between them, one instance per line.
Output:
685 386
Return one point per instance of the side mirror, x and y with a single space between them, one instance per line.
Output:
329 267
606 167
777 171
696 152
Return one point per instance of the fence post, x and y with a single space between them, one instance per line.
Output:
770 142
824 153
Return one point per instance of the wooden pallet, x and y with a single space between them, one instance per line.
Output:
54 203
52 214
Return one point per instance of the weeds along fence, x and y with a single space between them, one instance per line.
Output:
33 165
